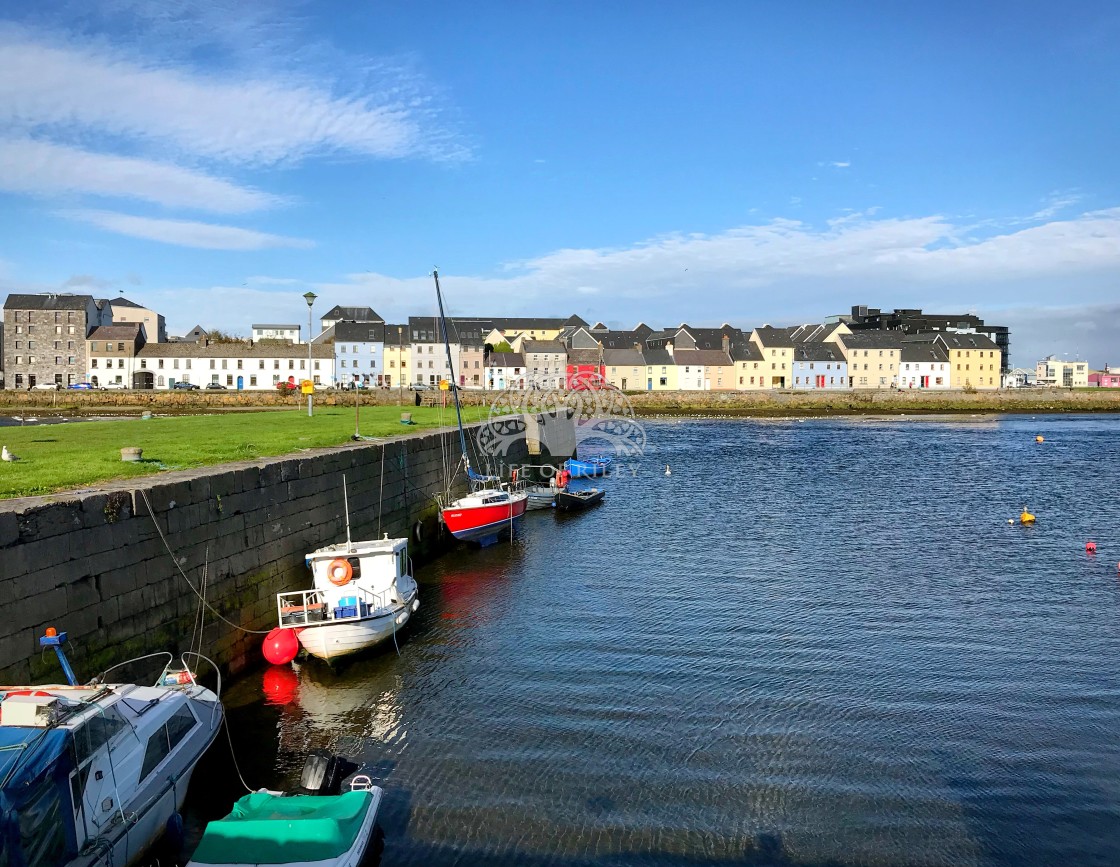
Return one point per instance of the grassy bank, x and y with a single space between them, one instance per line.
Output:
60 456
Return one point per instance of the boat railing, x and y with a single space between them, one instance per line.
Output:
309 607
300 608
169 657
193 672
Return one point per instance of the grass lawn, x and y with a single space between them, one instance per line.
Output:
76 455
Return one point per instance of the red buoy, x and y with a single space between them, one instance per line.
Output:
1090 547
280 685
280 646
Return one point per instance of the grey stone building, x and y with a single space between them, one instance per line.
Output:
45 339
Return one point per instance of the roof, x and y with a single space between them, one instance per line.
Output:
817 351
280 325
535 323
240 349
354 314
624 358
621 339
121 301
658 356
702 357
575 320
118 331
583 356
505 359
711 338
923 352
48 301
955 340
323 337
359 332
543 346
770 336
873 340
812 333
748 351
193 335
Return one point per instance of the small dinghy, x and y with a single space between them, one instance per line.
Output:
541 496
314 827
593 465
574 501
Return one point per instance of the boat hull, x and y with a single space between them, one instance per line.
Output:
587 469
578 501
333 639
479 523
541 498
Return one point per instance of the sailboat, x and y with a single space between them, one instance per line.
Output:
489 508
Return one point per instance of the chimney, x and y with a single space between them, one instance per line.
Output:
727 344
669 347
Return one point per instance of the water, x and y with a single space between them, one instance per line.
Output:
817 642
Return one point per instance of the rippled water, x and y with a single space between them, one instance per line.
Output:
817 642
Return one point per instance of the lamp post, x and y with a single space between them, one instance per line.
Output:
309 297
400 365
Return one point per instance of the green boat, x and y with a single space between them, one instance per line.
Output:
304 830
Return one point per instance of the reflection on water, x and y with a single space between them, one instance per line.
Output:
817 642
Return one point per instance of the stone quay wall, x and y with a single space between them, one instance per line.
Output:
92 563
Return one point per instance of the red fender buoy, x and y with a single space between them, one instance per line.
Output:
280 646
280 685
1090 547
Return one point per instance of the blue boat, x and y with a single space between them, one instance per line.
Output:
593 465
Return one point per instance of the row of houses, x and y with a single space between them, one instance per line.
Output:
69 339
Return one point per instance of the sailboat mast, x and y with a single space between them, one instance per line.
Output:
451 368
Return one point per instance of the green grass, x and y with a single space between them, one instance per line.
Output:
61 456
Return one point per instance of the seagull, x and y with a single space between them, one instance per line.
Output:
7 455
668 471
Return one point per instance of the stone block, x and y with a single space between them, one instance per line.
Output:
9 529
49 520
29 557
17 646
82 593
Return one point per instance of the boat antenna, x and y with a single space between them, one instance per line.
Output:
451 369
346 508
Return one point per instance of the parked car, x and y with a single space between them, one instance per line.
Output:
215 386
189 386
115 385
420 386
82 386
46 386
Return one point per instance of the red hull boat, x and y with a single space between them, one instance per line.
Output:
484 513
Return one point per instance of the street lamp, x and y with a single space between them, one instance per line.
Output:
400 365
309 297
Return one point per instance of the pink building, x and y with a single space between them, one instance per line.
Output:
1105 379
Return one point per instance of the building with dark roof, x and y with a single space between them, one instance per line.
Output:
121 309
819 365
44 340
914 321
359 354
353 314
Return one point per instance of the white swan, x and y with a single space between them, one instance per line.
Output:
7 455
668 471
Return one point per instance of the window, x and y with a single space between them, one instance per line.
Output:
159 364
229 379
58 359
143 364
93 363
120 362
120 347
252 380
239 364
261 365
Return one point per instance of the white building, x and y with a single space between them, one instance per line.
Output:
505 370
428 353
237 366
1053 371
359 355
277 332
923 365
547 363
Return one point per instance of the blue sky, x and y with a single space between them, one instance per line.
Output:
743 162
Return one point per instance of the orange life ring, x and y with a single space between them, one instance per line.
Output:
339 572
513 476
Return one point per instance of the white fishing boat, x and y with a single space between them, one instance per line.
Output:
541 496
95 774
363 594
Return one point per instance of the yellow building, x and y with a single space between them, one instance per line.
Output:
396 355
974 360
661 370
776 348
874 357
1062 374
748 367
625 369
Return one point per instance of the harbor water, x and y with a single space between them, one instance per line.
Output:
816 642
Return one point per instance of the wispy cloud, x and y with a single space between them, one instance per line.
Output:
43 169
840 165
184 233
65 88
1054 204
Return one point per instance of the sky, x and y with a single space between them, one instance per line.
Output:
742 162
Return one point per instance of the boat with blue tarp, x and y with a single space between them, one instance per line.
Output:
592 465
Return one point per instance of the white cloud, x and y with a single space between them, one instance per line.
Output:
840 165
1054 204
44 169
185 233
265 119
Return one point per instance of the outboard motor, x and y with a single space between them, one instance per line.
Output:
322 774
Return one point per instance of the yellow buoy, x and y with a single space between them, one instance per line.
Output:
1040 439
1026 517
